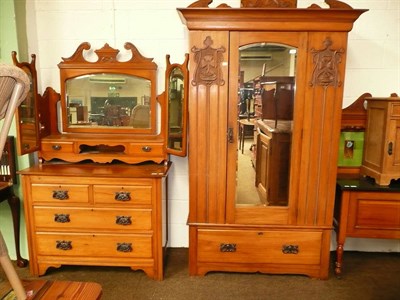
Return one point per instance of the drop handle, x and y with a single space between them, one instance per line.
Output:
390 148
230 135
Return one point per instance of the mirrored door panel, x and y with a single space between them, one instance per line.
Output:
262 114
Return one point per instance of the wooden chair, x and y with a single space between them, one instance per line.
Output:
8 178
14 87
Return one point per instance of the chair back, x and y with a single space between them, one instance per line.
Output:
8 172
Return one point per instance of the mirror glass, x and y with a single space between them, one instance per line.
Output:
27 119
175 109
265 116
108 100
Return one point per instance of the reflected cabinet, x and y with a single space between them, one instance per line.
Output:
268 207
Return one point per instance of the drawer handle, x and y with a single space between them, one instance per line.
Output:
290 249
227 247
56 147
123 220
390 148
124 247
62 218
60 195
64 245
123 196
146 148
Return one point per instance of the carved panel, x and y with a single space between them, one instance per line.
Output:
326 63
208 64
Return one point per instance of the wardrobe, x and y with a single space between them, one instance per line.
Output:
226 231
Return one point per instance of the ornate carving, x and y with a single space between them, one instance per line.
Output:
326 62
208 64
337 4
106 54
201 3
269 3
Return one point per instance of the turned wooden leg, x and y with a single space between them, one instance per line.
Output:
14 203
339 259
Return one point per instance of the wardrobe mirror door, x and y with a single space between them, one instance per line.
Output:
266 90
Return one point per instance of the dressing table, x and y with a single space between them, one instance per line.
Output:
98 195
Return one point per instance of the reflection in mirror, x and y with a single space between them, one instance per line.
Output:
265 115
104 100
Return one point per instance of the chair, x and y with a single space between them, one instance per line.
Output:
14 87
140 117
8 178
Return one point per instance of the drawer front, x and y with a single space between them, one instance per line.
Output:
146 150
94 245
124 195
61 194
65 218
239 246
374 211
64 147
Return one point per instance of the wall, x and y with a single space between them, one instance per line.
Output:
57 27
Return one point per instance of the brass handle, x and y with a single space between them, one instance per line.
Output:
56 147
122 196
124 247
146 148
62 218
290 249
227 247
26 146
390 148
123 220
60 195
64 245
230 135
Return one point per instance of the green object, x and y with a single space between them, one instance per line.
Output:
351 146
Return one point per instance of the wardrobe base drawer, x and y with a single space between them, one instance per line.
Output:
259 246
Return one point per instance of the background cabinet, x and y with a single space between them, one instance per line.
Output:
273 162
225 235
381 159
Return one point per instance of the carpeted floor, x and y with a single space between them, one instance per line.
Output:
366 276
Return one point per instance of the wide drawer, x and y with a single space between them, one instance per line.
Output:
239 246
86 219
94 245
59 193
370 211
122 194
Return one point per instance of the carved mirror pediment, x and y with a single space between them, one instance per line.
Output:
109 95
